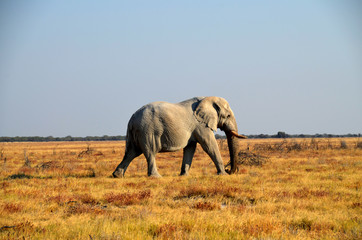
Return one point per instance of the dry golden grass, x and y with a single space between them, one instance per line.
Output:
307 189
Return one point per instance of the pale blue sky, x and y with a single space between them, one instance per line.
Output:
83 67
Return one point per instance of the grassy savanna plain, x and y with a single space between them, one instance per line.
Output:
306 189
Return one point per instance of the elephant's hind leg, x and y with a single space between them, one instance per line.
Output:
189 152
127 159
151 165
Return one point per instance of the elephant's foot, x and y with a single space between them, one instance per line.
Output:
155 175
152 172
185 170
118 173
222 173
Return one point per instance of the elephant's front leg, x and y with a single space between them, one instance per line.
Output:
208 142
189 151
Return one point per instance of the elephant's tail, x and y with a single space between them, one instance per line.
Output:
130 138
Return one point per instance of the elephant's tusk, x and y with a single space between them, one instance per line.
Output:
237 135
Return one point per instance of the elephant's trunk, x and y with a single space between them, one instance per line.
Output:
233 150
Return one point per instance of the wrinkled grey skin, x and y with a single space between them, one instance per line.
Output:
166 127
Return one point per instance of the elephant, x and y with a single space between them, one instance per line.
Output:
167 127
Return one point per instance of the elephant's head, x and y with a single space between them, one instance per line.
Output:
216 113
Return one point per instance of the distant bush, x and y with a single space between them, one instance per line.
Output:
20 176
249 158
343 144
318 135
294 145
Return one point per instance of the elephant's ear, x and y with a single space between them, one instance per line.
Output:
206 112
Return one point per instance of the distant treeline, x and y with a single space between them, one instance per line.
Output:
59 139
118 138
285 135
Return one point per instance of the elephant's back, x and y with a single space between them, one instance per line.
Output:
159 112
160 107
163 122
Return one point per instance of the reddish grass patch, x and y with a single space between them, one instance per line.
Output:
305 192
206 206
60 199
356 205
263 226
122 199
166 230
201 191
79 208
4 185
86 199
170 231
12 208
